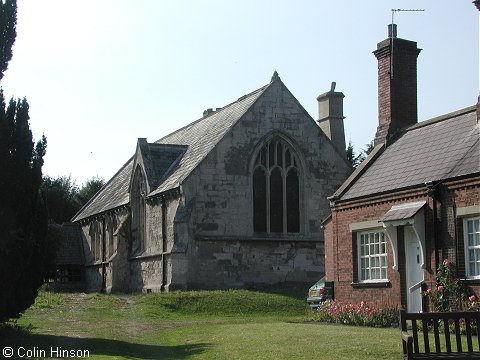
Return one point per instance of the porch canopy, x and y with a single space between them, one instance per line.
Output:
401 215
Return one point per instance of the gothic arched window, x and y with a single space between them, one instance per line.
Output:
276 189
137 201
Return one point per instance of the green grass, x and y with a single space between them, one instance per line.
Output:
235 324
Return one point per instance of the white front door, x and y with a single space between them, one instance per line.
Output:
414 271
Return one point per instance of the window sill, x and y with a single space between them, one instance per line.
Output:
379 284
470 281
145 256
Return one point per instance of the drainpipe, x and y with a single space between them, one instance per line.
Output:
104 248
164 241
432 192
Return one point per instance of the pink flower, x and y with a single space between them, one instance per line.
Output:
446 262
440 288
429 291
471 298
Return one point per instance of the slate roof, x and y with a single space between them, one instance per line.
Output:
193 142
202 135
441 148
69 248
159 161
403 211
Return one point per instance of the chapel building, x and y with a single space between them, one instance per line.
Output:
234 199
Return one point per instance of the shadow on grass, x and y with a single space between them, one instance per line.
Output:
106 347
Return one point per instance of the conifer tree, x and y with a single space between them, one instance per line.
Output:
22 217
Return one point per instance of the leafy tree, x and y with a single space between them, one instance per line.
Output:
60 196
89 188
64 198
22 215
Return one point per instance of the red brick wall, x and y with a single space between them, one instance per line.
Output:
340 247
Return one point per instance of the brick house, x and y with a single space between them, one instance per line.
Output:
413 202
231 200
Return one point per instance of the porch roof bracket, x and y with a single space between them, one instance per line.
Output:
419 228
391 231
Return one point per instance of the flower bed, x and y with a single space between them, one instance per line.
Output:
360 314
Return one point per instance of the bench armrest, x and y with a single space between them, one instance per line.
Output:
406 337
407 342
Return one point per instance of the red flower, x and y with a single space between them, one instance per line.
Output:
446 262
440 288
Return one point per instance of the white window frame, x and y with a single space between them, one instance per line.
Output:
468 249
379 258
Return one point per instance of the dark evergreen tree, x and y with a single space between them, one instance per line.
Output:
352 158
22 215
355 159
365 152
8 22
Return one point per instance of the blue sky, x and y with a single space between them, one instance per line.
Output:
98 74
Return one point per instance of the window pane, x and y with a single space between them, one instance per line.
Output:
293 207
384 273
279 154
264 156
470 240
259 201
276 201
288 160
477 268
271 154
364 274
471 268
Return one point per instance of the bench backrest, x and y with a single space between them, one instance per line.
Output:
448 329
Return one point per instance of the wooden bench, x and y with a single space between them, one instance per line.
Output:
446 345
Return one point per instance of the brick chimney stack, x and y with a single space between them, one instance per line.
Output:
397 84
330 117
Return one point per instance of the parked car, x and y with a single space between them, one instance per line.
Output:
321 291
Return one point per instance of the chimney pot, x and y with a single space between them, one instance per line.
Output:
392 30
207 112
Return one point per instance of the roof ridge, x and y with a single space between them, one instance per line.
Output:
241 98
440 118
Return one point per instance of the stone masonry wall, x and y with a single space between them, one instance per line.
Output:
219 196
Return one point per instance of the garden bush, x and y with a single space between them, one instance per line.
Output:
449 294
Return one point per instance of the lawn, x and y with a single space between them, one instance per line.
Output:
235 324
